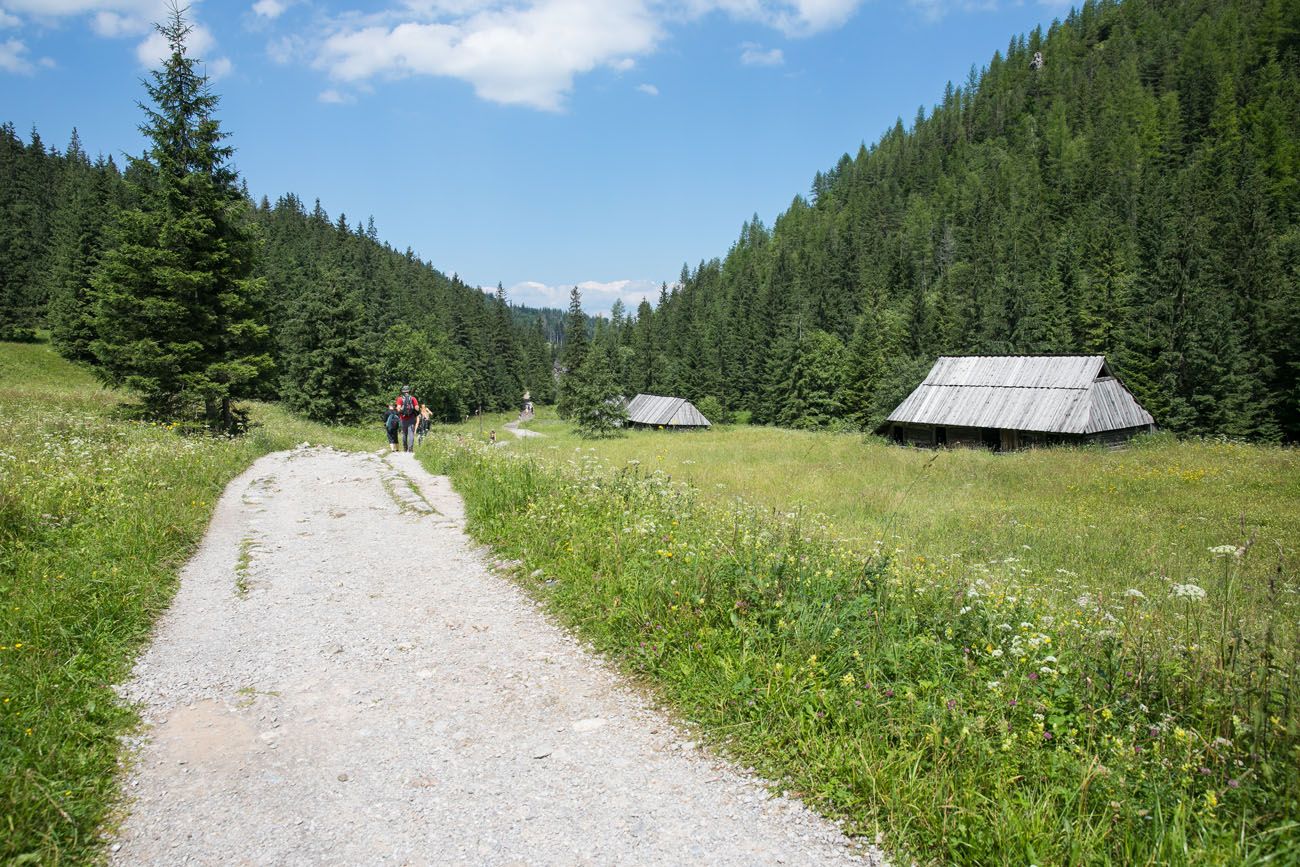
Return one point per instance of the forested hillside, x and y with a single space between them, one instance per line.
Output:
350 317
1134 195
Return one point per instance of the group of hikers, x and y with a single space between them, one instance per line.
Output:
408 417
406 414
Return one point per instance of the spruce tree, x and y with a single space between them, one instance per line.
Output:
180 318
327 371
573 353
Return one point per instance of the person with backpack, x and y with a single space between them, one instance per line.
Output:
391 424
408 410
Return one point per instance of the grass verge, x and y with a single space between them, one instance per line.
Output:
97 515
971 709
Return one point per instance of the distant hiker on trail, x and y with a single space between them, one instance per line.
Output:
422 426
391 423
492 437
408 410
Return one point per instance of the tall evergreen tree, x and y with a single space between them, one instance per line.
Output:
179 315
573 353
327 368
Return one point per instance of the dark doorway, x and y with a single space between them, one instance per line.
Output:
991 439
941 436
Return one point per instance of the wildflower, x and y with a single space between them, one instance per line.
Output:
1227 551
1232 784
847 680
1188 591
1134 593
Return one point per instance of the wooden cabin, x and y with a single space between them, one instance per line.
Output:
673 413
1014 401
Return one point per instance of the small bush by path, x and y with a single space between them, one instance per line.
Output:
97 514
972 711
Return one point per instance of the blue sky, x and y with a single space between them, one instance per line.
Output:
536 143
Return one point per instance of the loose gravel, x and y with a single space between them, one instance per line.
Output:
344 679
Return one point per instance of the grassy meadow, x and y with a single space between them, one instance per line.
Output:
97 514
1057 656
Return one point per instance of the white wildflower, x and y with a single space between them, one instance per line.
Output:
1134 593
997 652
1188 591
1227 551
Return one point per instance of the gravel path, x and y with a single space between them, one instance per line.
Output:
514 428
342 679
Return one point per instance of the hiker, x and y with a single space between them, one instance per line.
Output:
422 426
492 437
391 423
408 410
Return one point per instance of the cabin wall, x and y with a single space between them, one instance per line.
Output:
1115 438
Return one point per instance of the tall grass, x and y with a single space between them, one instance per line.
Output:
97 514
1014 699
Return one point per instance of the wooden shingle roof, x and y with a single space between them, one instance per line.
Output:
1074 394
652 409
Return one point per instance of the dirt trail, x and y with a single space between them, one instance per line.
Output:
342 679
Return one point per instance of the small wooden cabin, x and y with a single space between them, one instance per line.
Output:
1009 402
676 413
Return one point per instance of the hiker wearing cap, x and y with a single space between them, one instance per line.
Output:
408 410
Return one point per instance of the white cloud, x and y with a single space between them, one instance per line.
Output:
528 52
270 8
285 50
511 55
7 20
791 17
110 18
13 57
753 54
219 68
334 97
648 89
153 49
597 296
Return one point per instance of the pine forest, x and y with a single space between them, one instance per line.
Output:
1124 184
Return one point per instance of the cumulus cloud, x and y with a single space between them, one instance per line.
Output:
13 57
7 20
649 89
109 18
529 52
753 54
511 55
153 50
597 296
270 8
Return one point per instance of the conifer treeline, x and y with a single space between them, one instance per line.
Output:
1134 196
337 295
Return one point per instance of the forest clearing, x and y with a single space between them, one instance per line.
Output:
222 597
950 648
